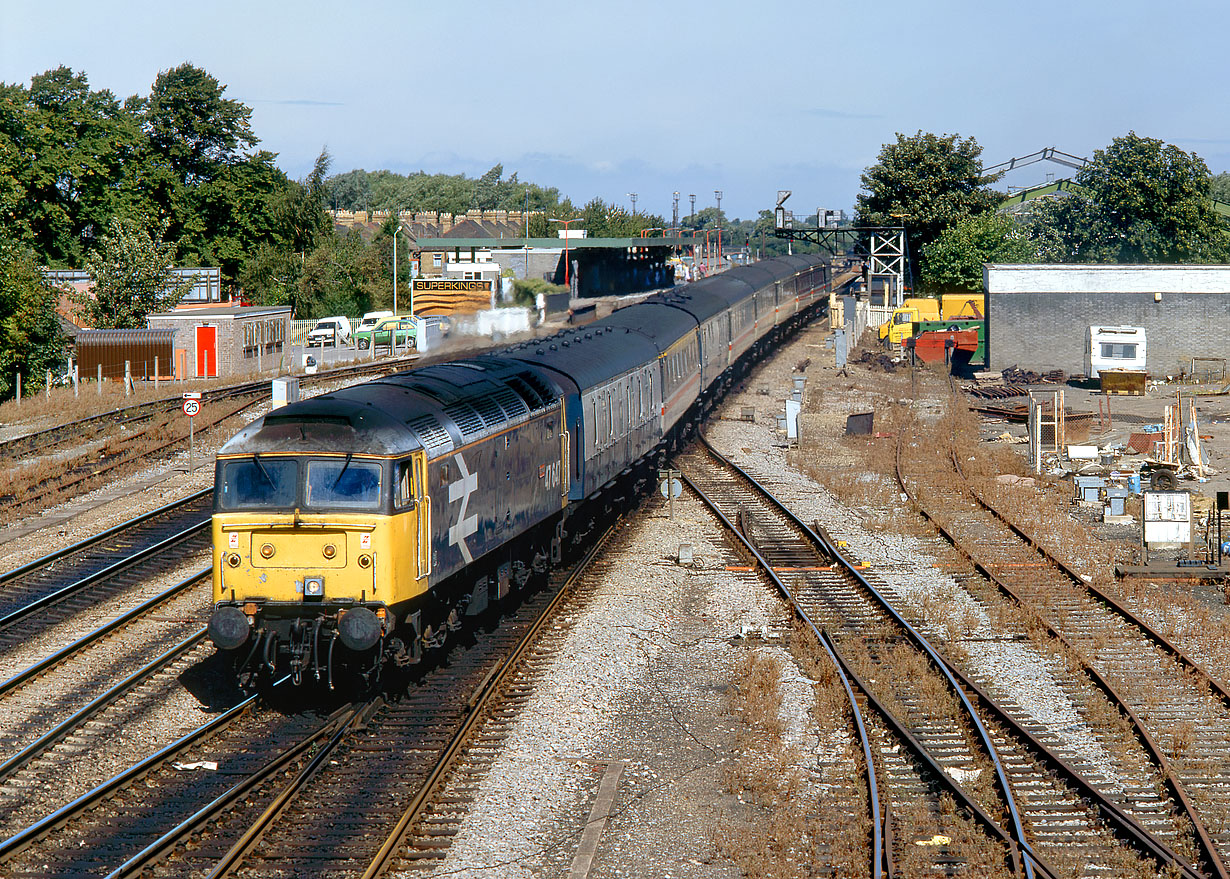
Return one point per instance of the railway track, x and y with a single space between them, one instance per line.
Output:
1181 713
1055 818
81 707
318 804
61 585
100 829
92 427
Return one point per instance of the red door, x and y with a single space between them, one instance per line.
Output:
206 352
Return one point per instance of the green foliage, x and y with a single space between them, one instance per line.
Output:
525 291
192 127
344 275
1140 201
447 193
132 277
30 338
953 262
927 183
69 155
1219 187
72 159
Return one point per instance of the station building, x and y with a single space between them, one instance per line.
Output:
1038 316
228 340
590 267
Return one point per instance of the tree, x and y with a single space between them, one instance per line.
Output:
132 277
953 262
192 126
30 337
927 183
1139 201
1219 187
71 156
343 275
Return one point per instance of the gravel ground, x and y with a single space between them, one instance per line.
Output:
654 648
641 679
904 563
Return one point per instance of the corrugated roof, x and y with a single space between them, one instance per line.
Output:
513 242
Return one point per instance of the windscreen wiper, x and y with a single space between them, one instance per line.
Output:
257 459
349 455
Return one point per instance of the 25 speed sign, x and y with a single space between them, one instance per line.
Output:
192 404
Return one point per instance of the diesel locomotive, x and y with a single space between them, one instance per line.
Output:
357 529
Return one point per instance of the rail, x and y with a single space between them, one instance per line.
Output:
1124 824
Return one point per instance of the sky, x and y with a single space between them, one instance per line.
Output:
607 99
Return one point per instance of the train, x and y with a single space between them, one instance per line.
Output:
355 531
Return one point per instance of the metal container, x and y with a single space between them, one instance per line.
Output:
139 348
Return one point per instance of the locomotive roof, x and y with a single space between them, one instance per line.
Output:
437 408
591 355
324 424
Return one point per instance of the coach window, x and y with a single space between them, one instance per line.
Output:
405 484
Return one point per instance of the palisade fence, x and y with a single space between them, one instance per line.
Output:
850 319
300 328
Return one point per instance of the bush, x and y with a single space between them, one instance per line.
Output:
525 292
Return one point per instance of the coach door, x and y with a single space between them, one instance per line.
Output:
565 469
423 557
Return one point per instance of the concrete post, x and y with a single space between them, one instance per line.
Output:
19 389
47 388
155 372
127 377
100 379
76 367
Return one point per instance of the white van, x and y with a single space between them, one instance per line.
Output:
330 331
1114 348
370 320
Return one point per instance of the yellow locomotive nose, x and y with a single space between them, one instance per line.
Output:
297 549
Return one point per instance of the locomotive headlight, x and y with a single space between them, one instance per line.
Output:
329 551
233 560
266 550
365 561
314 586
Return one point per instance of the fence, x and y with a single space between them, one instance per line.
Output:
855 316
878 314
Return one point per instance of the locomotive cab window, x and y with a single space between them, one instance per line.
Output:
345 483
405 483
259 482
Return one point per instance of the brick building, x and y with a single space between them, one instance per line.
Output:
1038 315
227 341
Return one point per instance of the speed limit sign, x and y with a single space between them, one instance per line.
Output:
192 404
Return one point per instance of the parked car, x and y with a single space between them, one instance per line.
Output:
330 331
363 332
397 332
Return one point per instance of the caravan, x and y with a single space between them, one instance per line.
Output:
1114 348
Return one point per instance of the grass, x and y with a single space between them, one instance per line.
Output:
776 835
